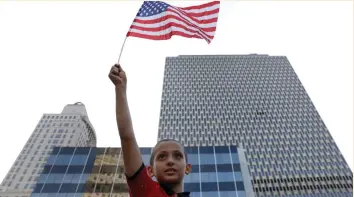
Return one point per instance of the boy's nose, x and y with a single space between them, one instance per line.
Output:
170 161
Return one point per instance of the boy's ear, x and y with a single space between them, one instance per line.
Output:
150 171
188 169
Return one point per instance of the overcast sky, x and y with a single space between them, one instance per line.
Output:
53 54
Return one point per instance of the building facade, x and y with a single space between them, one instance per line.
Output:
258 103
69 128
99 172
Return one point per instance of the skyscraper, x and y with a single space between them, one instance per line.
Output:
69 128
256 102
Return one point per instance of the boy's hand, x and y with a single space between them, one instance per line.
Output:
118 77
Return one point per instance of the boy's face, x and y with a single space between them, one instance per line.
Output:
170 163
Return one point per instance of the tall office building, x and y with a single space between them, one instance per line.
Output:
256 102
99 172
69 128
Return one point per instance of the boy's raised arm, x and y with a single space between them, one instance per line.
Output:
131 153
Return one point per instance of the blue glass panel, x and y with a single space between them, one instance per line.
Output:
237 167
145 151
59 169
81 188
46 169
92 156
227 186
67 150
240 186
233 149
210 194
207 168
84 178
71 195
61 194
35 195
42 178
88 168
192 187
224 167
191 150
52 195
55 150
241 194
76 178
223 158
58 178
44 195
196 194
63 160
195 168
51 159
146 159
208 176
222 149
192 178
228 194
82 151
51 188
75 169
193 159
209 187
68 188
38 188
67 178
79 160
51 178
235 158
206 149
225 177
207 159
238 176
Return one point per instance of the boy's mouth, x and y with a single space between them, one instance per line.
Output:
170 170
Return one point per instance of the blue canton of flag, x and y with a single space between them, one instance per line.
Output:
150 8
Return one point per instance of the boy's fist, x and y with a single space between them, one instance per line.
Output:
118 77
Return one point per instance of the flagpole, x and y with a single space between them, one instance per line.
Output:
121 50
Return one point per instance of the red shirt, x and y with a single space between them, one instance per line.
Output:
142 185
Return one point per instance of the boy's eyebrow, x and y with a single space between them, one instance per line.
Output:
165 151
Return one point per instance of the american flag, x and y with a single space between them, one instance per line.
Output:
158 20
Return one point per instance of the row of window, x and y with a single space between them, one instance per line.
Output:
122 187
43 125
59 117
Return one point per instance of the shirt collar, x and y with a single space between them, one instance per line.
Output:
169 191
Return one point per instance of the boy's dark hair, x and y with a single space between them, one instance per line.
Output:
166 140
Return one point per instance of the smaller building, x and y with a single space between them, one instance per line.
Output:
99 172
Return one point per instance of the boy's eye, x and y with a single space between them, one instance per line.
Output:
162 156
178 155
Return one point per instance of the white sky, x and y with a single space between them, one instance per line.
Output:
53 54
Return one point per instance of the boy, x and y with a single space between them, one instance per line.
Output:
168 161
